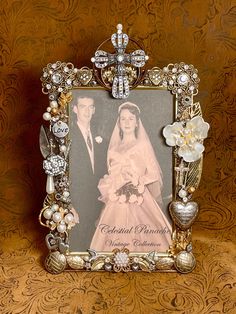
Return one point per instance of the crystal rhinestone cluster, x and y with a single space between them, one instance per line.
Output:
181 79
85 76
121 259
58 77
62 183
63 196
54 165
102 59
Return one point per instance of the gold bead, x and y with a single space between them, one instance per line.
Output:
61 209
54 110
191 189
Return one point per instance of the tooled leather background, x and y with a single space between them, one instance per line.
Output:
36 32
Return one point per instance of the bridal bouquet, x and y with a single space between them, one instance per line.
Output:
129 193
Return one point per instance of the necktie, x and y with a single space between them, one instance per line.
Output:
89 142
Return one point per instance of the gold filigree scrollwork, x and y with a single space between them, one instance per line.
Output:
181 239
85 75
58 77
108 75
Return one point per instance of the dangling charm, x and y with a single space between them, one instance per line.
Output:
54 165
50 187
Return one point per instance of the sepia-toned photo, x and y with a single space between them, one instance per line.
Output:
120 170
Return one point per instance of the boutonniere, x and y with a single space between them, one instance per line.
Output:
98 139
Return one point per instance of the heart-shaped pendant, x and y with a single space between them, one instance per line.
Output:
155 75
183 214
63 247
51 241
54 242
84 75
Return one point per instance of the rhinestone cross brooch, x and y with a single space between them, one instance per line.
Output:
102 59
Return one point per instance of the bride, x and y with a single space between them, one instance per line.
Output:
131 191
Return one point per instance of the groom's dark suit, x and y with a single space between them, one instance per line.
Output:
83 187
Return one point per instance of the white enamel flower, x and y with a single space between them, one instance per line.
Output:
98 139
188 137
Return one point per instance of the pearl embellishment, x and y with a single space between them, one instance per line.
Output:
53 104
47 213
57 217
182 193
55 207
66 193
69 218
61 228
62 148
46 116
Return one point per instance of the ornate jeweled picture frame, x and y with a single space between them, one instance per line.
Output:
123 158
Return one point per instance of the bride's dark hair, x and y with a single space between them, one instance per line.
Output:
134 109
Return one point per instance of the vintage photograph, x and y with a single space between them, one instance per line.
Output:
120 170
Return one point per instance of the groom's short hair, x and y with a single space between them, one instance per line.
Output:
83 97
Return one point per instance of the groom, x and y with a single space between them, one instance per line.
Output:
87 166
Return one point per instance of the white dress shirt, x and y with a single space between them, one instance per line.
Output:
86 132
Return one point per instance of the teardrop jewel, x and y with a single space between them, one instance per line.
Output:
50 188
